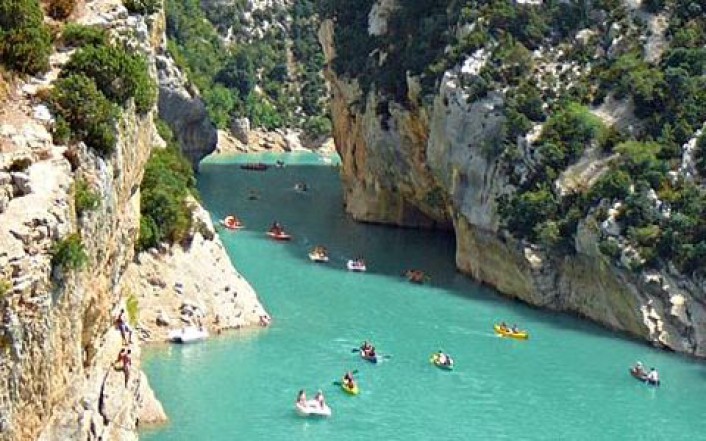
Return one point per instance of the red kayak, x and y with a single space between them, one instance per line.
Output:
279 236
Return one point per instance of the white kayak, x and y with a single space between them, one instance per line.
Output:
356 266
188 334
312 409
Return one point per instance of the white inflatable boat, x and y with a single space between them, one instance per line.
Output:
312 409
188 334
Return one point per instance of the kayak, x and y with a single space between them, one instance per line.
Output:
231 223
350 390
521 335
312 409
279 236
373 359
356 266
642 376
435 361
316 257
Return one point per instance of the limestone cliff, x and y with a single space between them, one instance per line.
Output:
433 158
58 342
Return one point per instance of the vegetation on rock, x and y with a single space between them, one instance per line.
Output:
166 215
69 253
25 41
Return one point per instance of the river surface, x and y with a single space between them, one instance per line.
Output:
568 381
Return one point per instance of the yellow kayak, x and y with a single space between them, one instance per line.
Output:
520 335
350 390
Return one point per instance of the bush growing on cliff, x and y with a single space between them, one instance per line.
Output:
61 9
5 288
76 35
91 117
143 7
69 253
118 74
166 214
132 308
25 41
85 198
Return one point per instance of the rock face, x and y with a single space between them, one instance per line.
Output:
58 342
436 164
182 108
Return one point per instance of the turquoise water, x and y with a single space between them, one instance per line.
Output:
569 381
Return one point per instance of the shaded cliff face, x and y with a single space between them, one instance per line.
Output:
437 159
181 107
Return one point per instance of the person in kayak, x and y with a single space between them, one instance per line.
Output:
515 329
638 369
301 398
320 399
348 380
653 376
371 351
444 359
365 347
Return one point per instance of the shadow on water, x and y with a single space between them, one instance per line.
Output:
317 217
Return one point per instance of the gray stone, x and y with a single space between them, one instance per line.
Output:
22 183
240 129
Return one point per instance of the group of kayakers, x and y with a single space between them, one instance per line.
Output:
505 328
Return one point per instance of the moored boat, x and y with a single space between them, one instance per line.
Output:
356 265
188 334
257 166
312 408
504 332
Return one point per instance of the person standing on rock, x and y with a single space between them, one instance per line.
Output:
125 331
127 364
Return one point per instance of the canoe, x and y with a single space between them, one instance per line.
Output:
350 390
312 409
231 223
316 257
373 359
355 266
643 377
279 236
521 335
188 334
434 359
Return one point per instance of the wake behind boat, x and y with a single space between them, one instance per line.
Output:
188 334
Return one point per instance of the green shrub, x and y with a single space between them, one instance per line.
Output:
166 215
61 9
85 198
5 287
76 35
61 133
69 253
25 41
610 247
91 117
144 7
132 308
119 75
